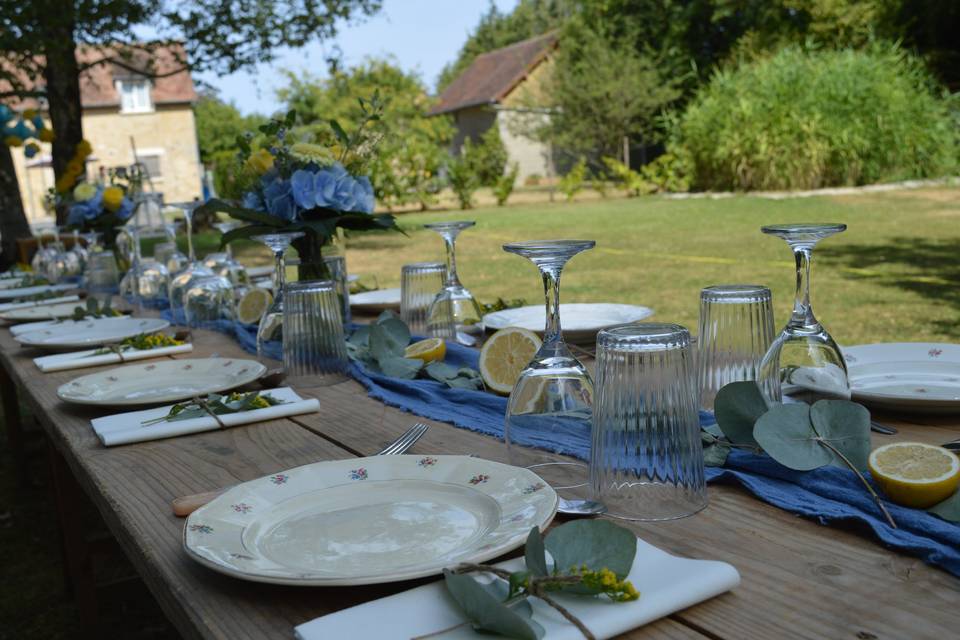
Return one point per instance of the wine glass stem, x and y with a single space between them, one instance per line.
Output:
551 295
279 278
802 313
189 218
451 243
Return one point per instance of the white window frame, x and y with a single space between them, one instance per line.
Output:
145 96
153 152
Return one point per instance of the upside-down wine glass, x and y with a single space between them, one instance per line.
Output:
223 263
271 323
804 363
552 402
454 299
183 279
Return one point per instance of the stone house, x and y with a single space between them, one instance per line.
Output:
499 89
123 111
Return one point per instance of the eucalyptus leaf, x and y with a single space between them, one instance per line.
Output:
535 553
388 339
714 430
360 336
215 205
785 432
598 544
485 611
441 371
397 367
949 509
846 426
715 455
737 407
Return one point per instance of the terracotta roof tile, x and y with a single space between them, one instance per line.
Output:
494 74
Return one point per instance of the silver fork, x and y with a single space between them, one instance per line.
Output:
185 505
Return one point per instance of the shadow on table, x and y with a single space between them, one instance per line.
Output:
930 268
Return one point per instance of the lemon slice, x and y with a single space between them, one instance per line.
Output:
505 355
427 350
253 305
914 474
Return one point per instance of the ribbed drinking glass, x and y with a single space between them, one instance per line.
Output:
102 279
337 266
646 462
314 350
419 284
736 329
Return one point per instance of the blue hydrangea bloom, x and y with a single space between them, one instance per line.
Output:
363 195
278 196
252 200
126 209
81 212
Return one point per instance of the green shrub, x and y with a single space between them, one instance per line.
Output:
504 186
462 176
572 182
804 119
489 157
669 173
629 180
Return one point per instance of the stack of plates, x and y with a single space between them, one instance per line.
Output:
580 322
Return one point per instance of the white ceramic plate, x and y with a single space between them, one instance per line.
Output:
89 333
916 376
379 300
579 321
369 520
160 381
46 312
11 294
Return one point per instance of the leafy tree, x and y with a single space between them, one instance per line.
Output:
412 147
463 176
40 38
504 185
488 158
218 125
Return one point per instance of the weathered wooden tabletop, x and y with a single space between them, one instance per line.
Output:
799 579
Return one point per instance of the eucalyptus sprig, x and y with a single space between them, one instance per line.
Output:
590 558
31 280
380 347
218 405
93 309
141 342
799 436
500 304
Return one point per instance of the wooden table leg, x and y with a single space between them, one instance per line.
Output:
13 424
77 559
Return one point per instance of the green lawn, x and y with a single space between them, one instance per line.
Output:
894 275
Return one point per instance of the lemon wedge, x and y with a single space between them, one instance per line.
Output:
427 350
914 474
253 305
505 354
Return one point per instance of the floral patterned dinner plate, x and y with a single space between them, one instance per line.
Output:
89 333
160 381
914 376
580 321
369 520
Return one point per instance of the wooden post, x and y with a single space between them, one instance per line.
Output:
626 151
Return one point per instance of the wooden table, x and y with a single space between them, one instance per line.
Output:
800 580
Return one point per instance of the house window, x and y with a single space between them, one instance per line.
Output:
134 96
151 164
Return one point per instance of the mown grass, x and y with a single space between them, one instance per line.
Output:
894 275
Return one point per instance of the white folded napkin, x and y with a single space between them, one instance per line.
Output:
9 294
10 306
666 584
124 428
82 359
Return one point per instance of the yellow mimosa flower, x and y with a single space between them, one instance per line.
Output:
112 198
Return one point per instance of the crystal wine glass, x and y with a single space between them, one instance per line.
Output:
454 299
271 323
553 398
223 263
803 364
182 280
147 281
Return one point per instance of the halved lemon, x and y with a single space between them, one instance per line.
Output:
253 305
505 354
914 474
427 350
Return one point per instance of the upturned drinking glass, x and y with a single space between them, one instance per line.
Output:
736 329
314 350
207 300
223 263
553 398
646 462
102 279
337 267
271 323
454 300
147 281
804 363
181 280
419 284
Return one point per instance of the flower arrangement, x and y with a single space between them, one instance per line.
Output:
314 187
25 130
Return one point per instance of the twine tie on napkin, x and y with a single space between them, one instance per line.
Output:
202 403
